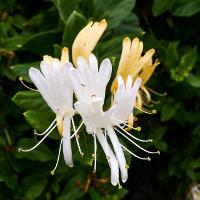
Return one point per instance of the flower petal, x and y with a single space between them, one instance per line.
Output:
67 150
112 161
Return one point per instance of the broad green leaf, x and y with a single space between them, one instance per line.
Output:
193 80
22 69
167 112
186 64
171 55
30 100
186 8
33 186
74 24
42 43
40 121
7 174
72 190
65 8
160 6
130 25
113 11
14 43
42 153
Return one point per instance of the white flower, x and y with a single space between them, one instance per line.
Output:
54 85
90 85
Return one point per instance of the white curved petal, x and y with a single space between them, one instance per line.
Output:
112 161
42 85
119 153
105 71
67 150
135 88
93 63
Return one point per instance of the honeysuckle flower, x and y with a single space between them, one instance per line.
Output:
133 63
53 83
90 84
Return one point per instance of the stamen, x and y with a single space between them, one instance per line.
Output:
134 128
58 158
79 148
35 132
27 150
146 111
150 152
95 153
157 93
75 131
141 158
106 145
155 102
119 186
22 82
149 140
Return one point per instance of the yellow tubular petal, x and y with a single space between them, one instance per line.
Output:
138 102
148 70
87 39
64 55
60 125
123 63
145 59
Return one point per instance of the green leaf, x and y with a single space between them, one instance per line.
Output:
65 8
30 100
72 190
15 42
160 6
193 80
42 43
42 153
186 64
113 11
40 121
22 69
74 24
167 112
171 55
130 25
186 8
7 174
33 186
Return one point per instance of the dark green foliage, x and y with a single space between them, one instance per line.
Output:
31 29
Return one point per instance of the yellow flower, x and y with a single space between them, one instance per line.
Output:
133 63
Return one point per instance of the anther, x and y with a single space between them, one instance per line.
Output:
119 186
52 172
149 159
127 166
138 128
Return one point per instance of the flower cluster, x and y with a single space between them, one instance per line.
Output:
57 81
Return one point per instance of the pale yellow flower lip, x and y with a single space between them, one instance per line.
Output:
87 39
